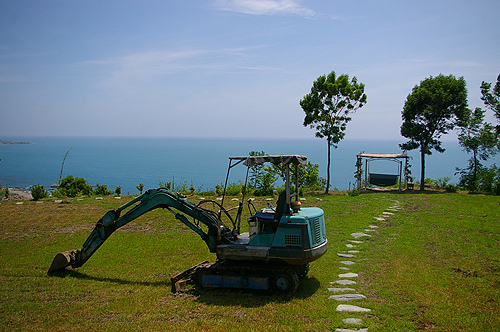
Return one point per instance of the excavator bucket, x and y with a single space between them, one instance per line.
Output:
62 259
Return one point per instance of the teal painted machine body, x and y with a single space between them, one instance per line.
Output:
297 239
304 229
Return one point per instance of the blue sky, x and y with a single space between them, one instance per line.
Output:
222 68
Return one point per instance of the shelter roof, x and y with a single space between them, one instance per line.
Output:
276 160
384 155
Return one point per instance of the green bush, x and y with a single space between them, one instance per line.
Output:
4 193
38 192
353 193
485 179
73 187
118 190
451 188
102 190
234 189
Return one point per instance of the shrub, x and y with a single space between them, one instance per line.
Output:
118 190
234 189
486 179
219 190
72 187
353 193
38 192
451 188
4 193
102 190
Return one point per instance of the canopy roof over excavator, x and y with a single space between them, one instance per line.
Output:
276 160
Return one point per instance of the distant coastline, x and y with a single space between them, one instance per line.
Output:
13 142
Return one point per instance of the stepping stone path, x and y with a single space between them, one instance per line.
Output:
348 294
347 262
345 282
347 297
358 235
338 290
346 255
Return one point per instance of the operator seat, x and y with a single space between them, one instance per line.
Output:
271 220
281 206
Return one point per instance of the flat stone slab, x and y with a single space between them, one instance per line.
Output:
353 251
379 218
347 262
349 330
340 290
350 245
348 275
372 226
347 297
345 282
351 308
356 241
369 230
387 213
343 268
356 321
358 235
346 255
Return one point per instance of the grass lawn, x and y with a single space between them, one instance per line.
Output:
434 265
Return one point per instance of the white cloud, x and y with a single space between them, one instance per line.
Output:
132 70
265 7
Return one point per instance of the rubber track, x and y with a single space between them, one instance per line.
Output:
224 268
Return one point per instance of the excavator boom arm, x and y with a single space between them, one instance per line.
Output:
150 200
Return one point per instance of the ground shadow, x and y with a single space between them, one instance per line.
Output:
218 297
401 192
253 299
83 276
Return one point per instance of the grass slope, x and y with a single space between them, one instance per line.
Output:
433 266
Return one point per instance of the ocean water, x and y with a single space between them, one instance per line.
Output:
201 162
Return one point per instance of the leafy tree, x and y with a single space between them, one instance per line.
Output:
433 108
255 171
140 187
477 137
328 108
308 176
266 180
491 98
118 190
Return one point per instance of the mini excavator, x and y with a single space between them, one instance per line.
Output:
272 256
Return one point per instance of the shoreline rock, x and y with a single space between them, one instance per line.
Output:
13 142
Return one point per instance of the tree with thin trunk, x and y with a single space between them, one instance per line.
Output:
433 108
477 137
491 98
329 106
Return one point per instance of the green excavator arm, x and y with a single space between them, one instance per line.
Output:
217 232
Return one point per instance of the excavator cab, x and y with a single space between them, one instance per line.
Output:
288 235
272 255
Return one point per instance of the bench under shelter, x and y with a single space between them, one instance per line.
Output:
381 179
